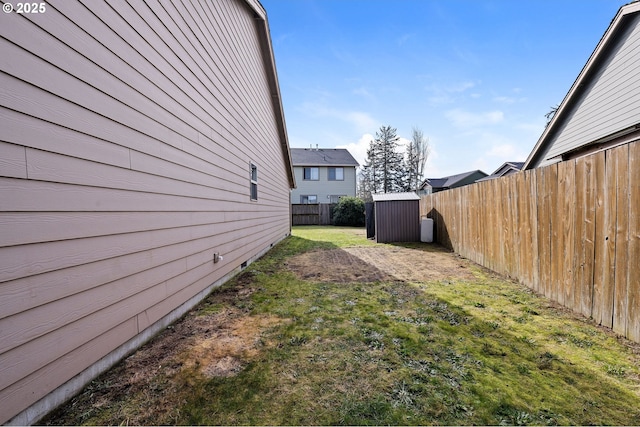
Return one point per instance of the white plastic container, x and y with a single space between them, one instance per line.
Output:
426 230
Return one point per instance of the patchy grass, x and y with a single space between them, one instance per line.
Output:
468 348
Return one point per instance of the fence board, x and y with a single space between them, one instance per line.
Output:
620 291
584 252
567 195
608 267
633 298
546 226
570 231
601 268
533 229
312 214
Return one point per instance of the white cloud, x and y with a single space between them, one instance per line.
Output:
359 149
508 100
499 149
363 92
359 120
481 164
446 94
503 151
465 119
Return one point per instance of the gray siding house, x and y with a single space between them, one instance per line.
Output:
137 141
323 175
602 108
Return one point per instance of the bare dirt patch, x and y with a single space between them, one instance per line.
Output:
216 340
335 265
233 341
378 263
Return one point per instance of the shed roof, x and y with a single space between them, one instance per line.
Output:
389 197
322 157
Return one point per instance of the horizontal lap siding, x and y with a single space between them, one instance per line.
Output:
127 136
611 102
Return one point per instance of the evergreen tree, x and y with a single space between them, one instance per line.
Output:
384 169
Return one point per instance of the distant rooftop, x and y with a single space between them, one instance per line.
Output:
507 168
322 157
450 181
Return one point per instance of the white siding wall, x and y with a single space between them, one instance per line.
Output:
127 133
323 188
612 101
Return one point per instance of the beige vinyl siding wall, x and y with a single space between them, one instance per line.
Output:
323 188
611 102
127 135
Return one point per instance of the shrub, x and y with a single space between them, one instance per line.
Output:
349 211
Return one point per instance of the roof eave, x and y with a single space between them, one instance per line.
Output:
274 87
541 146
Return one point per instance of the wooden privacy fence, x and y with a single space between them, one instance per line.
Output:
569 231
316 214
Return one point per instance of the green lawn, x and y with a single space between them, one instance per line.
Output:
482 351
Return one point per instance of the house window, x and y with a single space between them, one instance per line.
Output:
309 200
311 174
254 181
336 174
335 199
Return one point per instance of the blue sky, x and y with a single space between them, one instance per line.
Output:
477 77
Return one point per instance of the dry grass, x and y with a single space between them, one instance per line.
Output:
331 329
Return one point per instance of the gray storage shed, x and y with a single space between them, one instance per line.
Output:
397 217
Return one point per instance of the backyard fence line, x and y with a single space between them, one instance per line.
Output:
312 214
569 231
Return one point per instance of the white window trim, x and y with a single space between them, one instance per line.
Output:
253 178
335 168
311 175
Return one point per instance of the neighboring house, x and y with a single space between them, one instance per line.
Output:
507 168
433 185
602 108
137 143
323 175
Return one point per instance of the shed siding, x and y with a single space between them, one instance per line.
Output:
126 140
611 102
397 221
323 188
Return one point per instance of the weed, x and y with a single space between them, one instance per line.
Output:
615 370
545 360
401 396
455 351
297 341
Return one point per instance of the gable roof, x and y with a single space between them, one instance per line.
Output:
450 181
272 76
322 157
626 20
507 168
